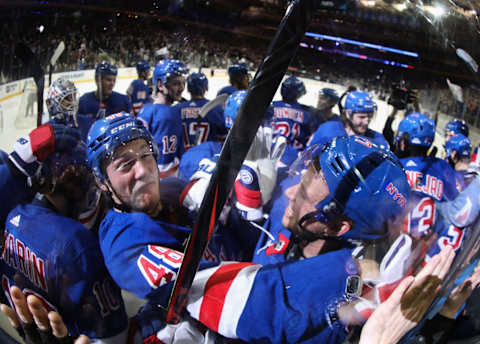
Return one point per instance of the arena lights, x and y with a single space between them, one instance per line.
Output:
437 10
361 44
357 56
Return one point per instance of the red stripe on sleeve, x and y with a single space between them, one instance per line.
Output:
215 293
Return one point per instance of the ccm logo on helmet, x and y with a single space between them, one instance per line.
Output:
121 127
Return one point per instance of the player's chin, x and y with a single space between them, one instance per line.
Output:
145 202
288 220
362 130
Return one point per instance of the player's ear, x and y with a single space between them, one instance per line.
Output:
101 185
454 155
345 226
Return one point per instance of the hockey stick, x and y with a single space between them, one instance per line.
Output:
281 51
212 103
220 100
53 60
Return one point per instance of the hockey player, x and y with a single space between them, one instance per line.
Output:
354 120
238 77
455 126
196 129
291 119
20 169
431 179
62 103
169 81
327 99
104 101
167 133
49 254
458 151
138 92
62 106
141 246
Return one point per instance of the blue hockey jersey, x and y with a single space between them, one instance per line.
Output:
196 129
59 260
13 187
138 93
190 161
431 180
292 121
89 105
167 131
227 90
283 303
330 129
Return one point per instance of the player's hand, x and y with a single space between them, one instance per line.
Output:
193 194
29 152
408 303
258 175
34 324
460 294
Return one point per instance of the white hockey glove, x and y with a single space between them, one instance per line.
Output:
258 175
193 194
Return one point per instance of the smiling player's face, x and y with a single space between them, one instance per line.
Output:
304 197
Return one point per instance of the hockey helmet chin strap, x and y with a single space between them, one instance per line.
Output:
111 192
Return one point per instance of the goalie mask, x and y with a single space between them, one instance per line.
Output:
62 101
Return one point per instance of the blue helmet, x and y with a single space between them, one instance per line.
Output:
232 105
111 132
237 69
420 129
68 164
459 143
167 68
357 101
142 66
105 68
456 126
197 83
330 93
366 183
292 89
62 101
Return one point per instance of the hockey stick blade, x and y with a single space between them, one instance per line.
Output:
281 51
213 103
58 51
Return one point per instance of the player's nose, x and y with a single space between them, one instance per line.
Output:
291 192
141 168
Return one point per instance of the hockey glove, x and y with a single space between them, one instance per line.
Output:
258 175
29 152
192 195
